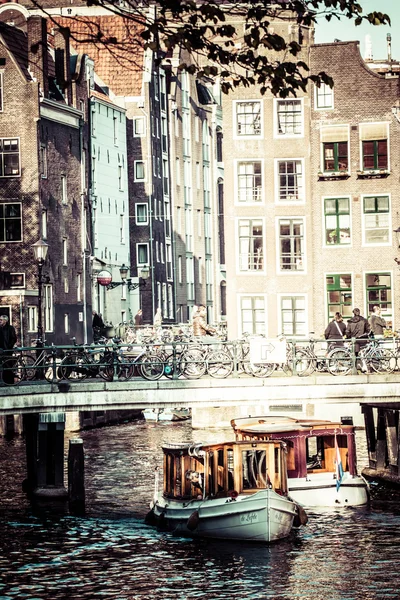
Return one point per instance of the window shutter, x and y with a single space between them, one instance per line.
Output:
373 131
335 134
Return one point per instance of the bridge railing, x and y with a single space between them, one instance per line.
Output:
112 360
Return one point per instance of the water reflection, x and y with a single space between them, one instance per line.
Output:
111 553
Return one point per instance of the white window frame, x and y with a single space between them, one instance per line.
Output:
278 245
48 307
280 320
144 163
239 311
320 89
300 201
392 288
79 287
286 136
142 223
137 134
15 287
65 252
66 322
236 181
64 189
43 161
363 215
250 272
145 263
256 136
336 246
32 316
44 224
180 270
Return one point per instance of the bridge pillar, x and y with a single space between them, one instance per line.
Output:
50 456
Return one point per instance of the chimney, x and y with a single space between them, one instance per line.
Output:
37 52
389 46
62 62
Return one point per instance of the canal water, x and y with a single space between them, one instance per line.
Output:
342 554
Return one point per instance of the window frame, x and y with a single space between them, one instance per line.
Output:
248 136
342 291
250 161
251 271
388 315
279 269
302 200
277 134
138 179
240 309
317 89
5 241
364 214
291 295
324 228
140 263
364 127
2 152
144 127
48 309
146 221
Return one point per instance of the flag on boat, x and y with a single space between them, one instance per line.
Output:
339 466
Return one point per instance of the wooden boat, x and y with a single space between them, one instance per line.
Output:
321 458
167 414
231 491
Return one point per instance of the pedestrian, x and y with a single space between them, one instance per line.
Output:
97 326
200 326
8 339
358 327
377 323
157 319
335 331
138 319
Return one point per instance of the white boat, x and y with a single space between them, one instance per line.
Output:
321 458
167 414
230 491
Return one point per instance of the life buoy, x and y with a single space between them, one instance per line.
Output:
193 521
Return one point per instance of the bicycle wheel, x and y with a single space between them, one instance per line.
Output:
12 370
262 369
28 362
169 367
151 367
74 366
382 361
304 364
192 363
125 368
339 362
219 364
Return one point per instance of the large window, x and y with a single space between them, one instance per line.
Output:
252 314
9 157
251 245
337 221
379 292
249 181
290 180
335 152
291 244
10 223
141 213
293 315
140 170
323 97
376 213
142 253
248 118
374 144
339 295
289 117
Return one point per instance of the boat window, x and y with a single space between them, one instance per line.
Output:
315 453
230 463
254 469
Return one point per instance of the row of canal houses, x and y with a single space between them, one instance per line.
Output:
273 212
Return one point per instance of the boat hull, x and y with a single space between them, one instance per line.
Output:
320 490
178 414
261 517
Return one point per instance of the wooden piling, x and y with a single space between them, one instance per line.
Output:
76 477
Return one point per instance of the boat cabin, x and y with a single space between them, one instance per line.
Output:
311 444
224 470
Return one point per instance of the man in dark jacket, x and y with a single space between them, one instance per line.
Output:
358 327
8 339
378 325
335 331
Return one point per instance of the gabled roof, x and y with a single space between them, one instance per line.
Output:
16 42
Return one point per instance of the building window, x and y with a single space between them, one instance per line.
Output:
379 292
66 323
335 152
180 269
178 171
377 219
65 252
337 221
139 127
293 315
141 214
64 196
165 177
121 177
190 278
251 245
252 314
290 180
140 170
9 157
43 161
142 253
66 285
17 280
164 134
249 181
168 255
115 130
32 318
48 307
248 118
289 115
189 229
170 301
323 97
44 224
10 223
78 287
122 229
291 245
374 144
339 295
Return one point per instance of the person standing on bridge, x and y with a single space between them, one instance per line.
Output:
335 331
378 325
358 327
200 326
8 339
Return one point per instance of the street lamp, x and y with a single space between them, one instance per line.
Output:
143 275
40 249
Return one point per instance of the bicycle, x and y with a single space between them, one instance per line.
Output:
337 360
373 356
41 365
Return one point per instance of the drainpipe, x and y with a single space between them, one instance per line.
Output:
83 232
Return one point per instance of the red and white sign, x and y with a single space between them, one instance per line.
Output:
104 278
